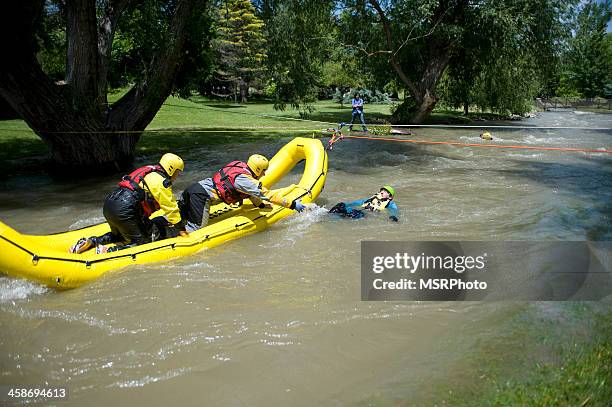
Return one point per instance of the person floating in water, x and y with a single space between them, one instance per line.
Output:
382 201
486 136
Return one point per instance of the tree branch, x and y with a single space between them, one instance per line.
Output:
106 33
392 58
138 107
365 51
82 52
409 38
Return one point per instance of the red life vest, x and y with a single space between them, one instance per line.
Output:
133 180
224 182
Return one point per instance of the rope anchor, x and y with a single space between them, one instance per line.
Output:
336 136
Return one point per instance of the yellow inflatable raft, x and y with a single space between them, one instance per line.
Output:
45 259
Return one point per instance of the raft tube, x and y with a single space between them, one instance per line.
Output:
46 260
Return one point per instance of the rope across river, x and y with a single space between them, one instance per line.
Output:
458 144
338 135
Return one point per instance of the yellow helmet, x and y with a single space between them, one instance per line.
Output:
258 164
171 163
486 136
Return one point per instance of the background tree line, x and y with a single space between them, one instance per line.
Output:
498 55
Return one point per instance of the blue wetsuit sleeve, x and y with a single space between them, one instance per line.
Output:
393 211
358 202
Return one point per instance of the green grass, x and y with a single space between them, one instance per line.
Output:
565 366
200 112
583 378
538 359
21 149
19 145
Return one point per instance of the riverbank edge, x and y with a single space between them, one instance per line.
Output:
583 377
553 355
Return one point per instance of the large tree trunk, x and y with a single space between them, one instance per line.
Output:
73 118
424 109
424 98
437 56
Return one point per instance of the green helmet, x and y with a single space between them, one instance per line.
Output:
389 189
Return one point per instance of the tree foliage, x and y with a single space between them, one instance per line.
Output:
507 44
73 116
239 46
507 55
588 66
299 33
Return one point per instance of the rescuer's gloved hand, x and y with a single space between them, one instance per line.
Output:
298 205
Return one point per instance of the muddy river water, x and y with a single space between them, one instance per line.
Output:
276 318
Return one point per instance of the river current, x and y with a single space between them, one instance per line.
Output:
276 317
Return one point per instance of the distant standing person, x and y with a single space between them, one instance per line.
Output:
357 103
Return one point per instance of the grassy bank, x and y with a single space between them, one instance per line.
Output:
172 128
583 378
174 125
546 356
565 360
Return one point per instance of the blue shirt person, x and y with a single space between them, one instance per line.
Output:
382 201
357 104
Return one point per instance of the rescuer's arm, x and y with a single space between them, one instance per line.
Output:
251 186
161 190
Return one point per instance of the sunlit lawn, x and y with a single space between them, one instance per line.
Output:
173 126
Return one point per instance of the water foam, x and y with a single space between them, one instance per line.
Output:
530 139
472 140
312 214
299 223
13 289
